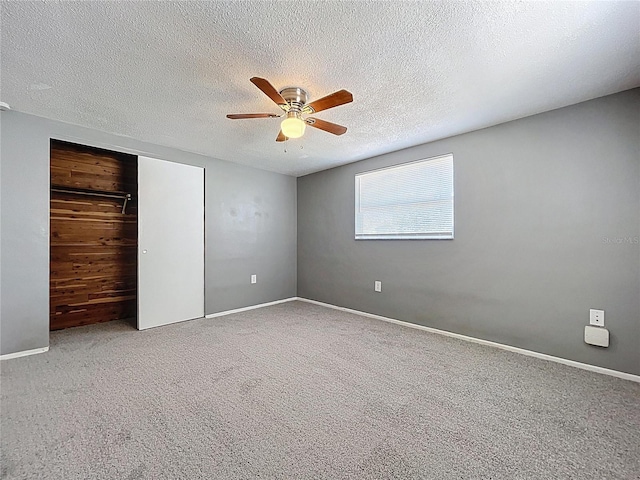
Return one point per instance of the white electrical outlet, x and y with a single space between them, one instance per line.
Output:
254 279
596 317
377 286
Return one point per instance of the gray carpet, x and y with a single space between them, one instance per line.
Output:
299 391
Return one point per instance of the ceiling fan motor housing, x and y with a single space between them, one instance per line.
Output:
296 98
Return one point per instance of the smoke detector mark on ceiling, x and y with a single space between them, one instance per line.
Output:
39 86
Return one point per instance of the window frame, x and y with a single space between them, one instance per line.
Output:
406 236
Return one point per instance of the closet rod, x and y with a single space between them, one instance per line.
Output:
95 194
126 196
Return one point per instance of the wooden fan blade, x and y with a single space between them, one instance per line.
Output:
326 126
281 137
236 116
335 99
268 90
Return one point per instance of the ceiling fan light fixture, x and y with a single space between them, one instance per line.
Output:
293 100
293 126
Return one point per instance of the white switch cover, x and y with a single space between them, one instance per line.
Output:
377 286
596 317
254 279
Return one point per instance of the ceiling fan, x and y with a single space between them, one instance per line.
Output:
293 101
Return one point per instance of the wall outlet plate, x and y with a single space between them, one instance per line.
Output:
254 279
596 317
377 286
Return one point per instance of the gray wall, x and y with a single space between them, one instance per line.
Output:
250 227
547 225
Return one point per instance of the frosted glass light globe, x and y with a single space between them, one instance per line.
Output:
293 127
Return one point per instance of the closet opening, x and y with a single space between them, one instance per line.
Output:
93 235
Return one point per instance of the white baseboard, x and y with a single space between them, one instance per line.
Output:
522 351
24 353
252 307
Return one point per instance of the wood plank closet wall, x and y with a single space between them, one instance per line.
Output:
93 244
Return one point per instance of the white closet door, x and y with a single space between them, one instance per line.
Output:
170 242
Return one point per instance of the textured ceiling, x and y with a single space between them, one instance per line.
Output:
167 73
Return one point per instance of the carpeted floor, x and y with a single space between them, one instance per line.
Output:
299 391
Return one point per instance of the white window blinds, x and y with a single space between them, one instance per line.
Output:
409 201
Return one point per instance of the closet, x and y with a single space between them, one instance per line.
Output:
93 235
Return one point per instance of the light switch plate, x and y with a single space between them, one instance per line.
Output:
596 317
254 279
377 286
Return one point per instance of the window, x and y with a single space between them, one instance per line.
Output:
409 201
